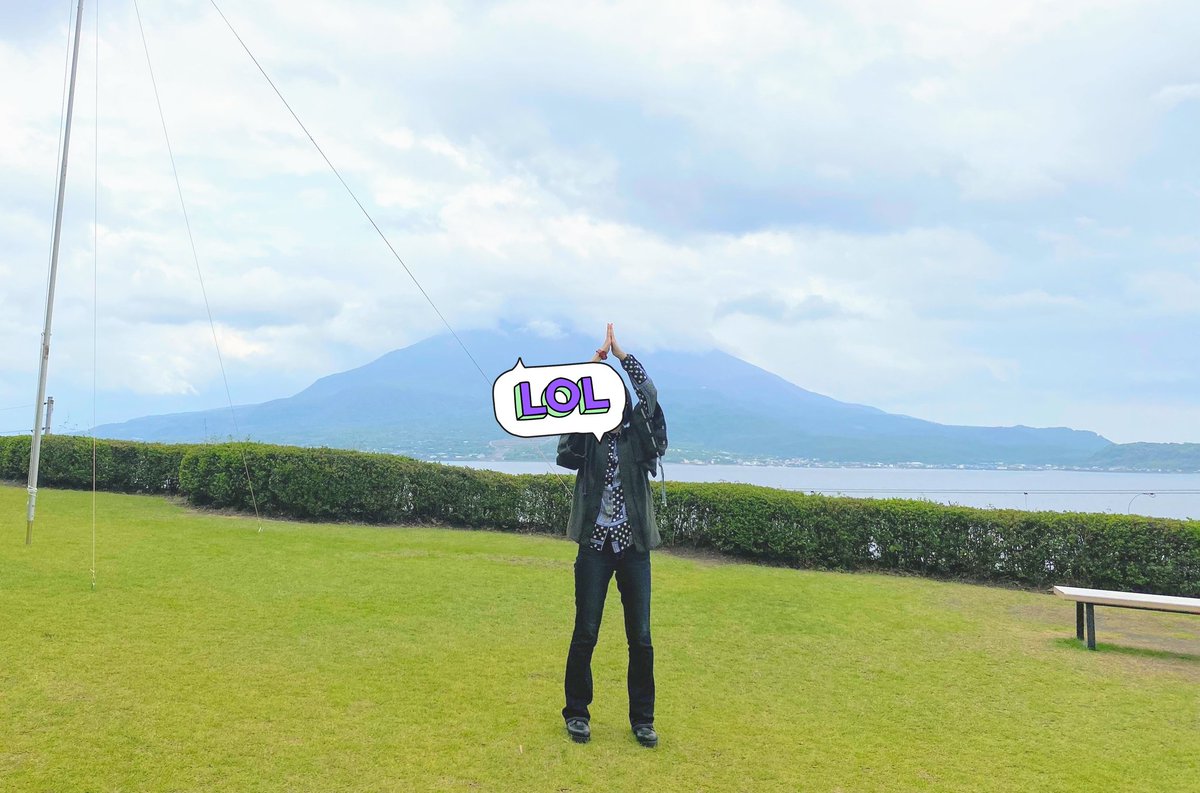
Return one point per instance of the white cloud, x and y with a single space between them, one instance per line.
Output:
1037 299
1169 291
1172 95
500 146
544 328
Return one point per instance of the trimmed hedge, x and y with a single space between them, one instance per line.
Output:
1036 549
1128 552
338 485
121 466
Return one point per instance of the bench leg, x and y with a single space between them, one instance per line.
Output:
1079 621
1091 626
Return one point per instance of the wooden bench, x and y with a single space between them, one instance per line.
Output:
1087 599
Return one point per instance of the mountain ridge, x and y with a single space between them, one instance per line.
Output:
428 400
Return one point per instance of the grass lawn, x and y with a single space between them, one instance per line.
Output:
213 657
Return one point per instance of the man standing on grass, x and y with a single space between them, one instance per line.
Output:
612 519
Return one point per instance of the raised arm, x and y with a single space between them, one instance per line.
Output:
646 390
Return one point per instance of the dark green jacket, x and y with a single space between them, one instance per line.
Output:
581 452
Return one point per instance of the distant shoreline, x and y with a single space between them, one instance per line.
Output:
864 466
1185 467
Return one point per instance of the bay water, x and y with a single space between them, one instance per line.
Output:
1155 494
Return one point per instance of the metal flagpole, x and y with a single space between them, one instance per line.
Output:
35 448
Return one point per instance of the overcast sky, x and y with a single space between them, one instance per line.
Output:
971 212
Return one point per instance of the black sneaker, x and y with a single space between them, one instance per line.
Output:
579 730
645 735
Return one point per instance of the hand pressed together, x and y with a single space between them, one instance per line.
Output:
610 344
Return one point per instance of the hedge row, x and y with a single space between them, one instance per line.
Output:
1001 546
121 466
337 485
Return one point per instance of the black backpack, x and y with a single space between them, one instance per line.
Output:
653 433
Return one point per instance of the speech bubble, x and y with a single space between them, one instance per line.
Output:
536 401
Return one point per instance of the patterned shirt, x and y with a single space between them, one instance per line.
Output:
612 522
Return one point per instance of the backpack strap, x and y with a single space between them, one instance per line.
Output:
647 429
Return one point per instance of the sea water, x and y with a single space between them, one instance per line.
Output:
1160 495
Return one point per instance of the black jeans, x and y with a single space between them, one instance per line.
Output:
593 570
